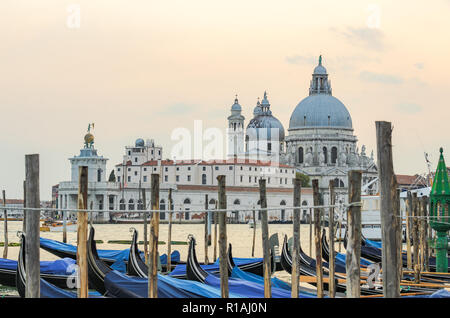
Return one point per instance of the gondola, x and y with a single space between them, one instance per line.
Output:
10 276
97 268
374 254
136 266
67 250
47 290
308 270
244 288
55 272
326 254
8 271
254 268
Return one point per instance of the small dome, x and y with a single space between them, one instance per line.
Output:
263 125
140 142
236 106
257 110
320 70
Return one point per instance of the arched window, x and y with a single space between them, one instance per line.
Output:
187 201
203 178
283 211
300 155
305 211
140 206
338 183
325 154
237 202
122 204
162 206
333 155
131 204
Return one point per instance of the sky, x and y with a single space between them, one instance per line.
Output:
141 69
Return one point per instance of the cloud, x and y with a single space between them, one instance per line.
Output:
298 59
380 78
366 37
344 62
409 108
177 109
419 66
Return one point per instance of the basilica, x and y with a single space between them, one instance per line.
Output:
320 142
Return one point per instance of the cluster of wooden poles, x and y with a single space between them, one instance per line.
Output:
390 223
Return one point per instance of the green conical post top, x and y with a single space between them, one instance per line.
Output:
439 213
440 183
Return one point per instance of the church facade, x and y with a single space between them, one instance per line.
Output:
320 142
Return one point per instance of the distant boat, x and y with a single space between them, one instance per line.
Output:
12 218
58 226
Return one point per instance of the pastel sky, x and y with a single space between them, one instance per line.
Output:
143 68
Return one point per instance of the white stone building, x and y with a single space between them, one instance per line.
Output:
190 181
320 144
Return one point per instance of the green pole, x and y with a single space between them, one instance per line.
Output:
441 252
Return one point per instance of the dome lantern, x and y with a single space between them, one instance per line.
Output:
320 83
439 213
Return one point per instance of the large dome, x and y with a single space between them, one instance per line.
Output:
320 110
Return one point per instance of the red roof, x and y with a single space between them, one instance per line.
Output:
12 201
214 162
240 189
403 179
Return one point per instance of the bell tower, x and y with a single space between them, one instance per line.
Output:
235 131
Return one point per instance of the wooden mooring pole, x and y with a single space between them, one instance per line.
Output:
223 267
64 220
82 229
215 218
426 249
254 232
24 222
353 253
416 265
310 231
5 228
206 229
154 234
295 274
265 239
409 207
331 285
389 211
422 233
144 217
91 214
32 256
169 240
317 241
